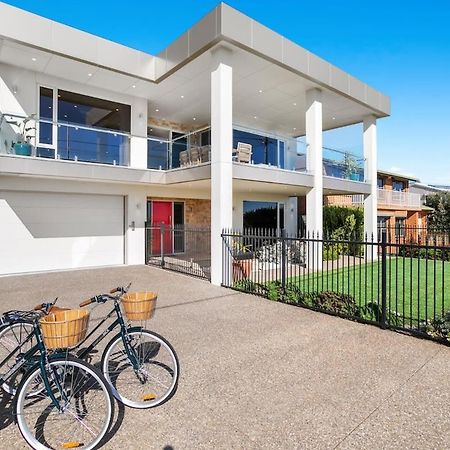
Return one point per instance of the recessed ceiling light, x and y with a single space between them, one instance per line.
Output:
260 91
255 117
334 118
294 128
194 118
75 106
33 59
157 110
117 109
182 96
295 104
134 86
89 74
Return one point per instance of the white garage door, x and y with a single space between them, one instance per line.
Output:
48 231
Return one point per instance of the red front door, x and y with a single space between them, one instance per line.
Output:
162 215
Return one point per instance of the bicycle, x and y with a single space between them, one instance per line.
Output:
141 366
61 401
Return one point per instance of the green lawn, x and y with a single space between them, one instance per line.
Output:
416 289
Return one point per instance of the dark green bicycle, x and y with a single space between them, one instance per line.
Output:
141 366
61 401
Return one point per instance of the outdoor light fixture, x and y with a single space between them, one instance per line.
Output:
14 89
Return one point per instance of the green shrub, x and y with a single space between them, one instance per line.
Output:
335 217
247 286
438 254
337 302
332 251
438 328
274 290
372 311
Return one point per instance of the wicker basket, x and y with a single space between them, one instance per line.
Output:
64 329
139 305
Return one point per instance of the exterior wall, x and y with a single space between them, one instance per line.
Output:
32 253
338 200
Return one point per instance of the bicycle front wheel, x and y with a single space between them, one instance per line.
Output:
84 412
152 380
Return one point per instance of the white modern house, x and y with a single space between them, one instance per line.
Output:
96 139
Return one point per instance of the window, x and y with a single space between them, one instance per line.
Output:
380 183
381 226
205 138
267 215
158 148
45 145
178 222
264 149
398 185
93 112
179 144
400 225
84 143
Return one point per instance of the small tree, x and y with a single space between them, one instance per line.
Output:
440 217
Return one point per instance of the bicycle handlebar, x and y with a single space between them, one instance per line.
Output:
87 302
105 297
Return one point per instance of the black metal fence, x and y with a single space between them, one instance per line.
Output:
400 285
184 249
416 235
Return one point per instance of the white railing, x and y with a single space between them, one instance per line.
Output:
398 198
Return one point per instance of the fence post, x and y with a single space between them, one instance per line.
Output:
383 280
283 260
162 245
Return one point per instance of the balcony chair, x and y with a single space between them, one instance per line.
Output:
243 153
205 153
184 158
194 155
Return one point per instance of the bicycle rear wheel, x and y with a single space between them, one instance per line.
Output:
155 379
12 343
85 406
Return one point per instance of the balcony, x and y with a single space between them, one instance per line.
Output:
386 198
398 199
28 136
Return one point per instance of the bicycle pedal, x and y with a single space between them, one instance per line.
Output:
148 397
73 444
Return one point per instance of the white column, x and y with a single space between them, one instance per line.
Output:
314 165
135 213
221 163
138 144
370 175
314 160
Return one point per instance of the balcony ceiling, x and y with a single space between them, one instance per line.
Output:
266 96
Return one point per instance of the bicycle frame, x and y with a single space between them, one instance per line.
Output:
123 332
40 348
29 356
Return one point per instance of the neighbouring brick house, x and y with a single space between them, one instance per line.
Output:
398 209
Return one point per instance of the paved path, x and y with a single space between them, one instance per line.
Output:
258 374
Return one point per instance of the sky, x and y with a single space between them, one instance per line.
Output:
399 47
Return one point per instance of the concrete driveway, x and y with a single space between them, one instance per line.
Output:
258 374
